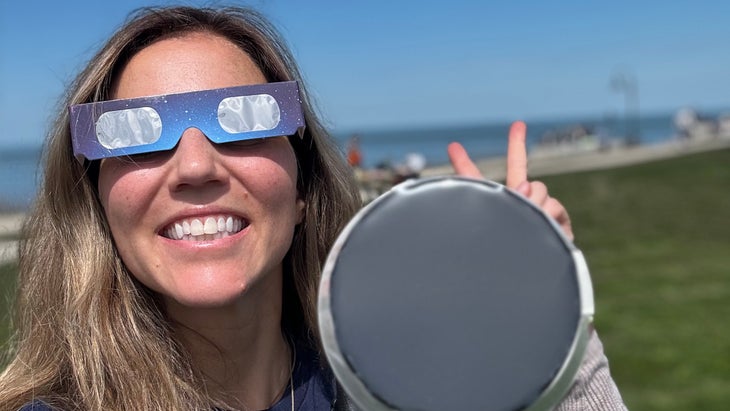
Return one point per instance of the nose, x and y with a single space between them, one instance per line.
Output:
195 161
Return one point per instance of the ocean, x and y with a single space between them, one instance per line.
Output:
19 174
18 177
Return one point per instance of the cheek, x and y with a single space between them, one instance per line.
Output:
270 174
282 178
273 188
124 194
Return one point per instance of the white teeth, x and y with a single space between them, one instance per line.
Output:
211 226
194 229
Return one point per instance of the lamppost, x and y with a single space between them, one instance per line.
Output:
626 83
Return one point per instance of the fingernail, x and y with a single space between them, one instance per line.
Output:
519 126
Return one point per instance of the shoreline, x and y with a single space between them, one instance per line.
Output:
492 168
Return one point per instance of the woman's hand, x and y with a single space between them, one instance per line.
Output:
536 191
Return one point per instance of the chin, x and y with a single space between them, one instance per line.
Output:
217 292
212 287
207 300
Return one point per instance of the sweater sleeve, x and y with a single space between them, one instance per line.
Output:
593 388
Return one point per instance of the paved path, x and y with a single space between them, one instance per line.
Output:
495 168
9 226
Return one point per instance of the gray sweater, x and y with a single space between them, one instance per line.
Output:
593 388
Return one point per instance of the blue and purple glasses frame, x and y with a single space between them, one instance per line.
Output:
147 124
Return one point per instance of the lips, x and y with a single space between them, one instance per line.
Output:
204 228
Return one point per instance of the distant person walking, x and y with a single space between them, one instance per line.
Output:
354 155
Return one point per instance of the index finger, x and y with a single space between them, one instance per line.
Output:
516 155
461 162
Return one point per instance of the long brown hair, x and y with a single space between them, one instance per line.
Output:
87 334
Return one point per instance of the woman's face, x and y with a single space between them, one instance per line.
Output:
239 200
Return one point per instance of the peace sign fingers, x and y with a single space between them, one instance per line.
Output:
516 178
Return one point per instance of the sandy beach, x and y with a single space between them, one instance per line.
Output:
494 169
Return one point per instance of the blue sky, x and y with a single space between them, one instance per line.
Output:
380 64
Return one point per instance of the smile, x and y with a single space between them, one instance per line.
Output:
204 229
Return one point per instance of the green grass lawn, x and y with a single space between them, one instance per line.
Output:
657 240
7 285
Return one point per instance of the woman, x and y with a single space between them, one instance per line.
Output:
185 277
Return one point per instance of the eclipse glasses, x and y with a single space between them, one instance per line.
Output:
142 125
